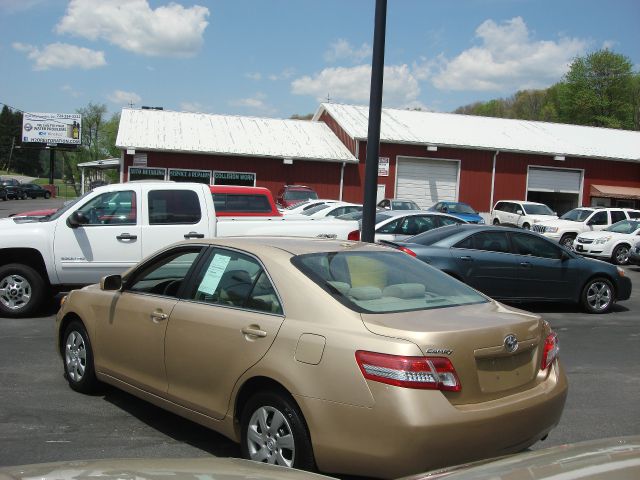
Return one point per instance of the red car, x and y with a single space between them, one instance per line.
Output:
292 194
237 201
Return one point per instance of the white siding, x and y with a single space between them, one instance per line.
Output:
427 182
554 180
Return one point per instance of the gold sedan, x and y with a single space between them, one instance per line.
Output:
319 354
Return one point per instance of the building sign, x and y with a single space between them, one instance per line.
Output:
383 166
234 178
140 160
52 128
145 173
200 176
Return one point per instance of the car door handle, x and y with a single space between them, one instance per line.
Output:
126 236
526 264
466 258
254 331
159 316
194 235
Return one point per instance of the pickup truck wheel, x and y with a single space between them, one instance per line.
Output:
620 255
567 240
597 295
273 431
78 358
22 290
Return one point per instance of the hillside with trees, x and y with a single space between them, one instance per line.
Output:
600 90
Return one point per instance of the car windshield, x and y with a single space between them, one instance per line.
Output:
537 209
459 208
577 214
404 205
624 226
317 208
384 282
300 195
67 205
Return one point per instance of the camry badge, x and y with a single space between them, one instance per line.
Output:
511 343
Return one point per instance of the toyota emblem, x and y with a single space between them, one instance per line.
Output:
511 343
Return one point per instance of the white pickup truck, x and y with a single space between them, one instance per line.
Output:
112 228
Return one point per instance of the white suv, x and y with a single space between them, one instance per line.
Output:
521 214
583 219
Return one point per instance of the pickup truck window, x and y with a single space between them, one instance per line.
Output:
173 207
225 202
111 208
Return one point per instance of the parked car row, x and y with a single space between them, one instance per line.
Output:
10 188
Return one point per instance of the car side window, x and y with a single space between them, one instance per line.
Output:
233 279
444 221
467 243
499 206
491 242
166 275
111 208
633 213
617 215
168 207
391 227
598 218
534 246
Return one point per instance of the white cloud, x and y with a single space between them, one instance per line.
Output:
343 50
171 30
401 87
254 76
120 97
61 55
256 103
68 89
285 74
508 58
194 107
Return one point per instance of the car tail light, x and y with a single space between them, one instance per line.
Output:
430 373
408 251
355 236
551 350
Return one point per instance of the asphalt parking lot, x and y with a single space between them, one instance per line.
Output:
42 419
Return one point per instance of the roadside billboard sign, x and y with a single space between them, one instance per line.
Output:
52 128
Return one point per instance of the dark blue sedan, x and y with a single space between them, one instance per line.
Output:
512 264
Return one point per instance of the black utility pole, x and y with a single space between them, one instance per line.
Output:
375 112
52 160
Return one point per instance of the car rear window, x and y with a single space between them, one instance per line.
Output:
384 282
230 202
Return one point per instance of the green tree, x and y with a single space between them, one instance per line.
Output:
599 91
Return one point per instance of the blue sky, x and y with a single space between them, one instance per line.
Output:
276 58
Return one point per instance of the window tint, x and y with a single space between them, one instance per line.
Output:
113 208
525 244
173 207
503 206
391 227
633 213
230 202
466 243
617 215
491 242
165 276
599 218
236 280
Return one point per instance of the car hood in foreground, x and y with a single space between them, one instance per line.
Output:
474 337
156 469
607 459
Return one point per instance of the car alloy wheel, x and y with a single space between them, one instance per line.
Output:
78 358
597 296
621 254
15 292
274 432
567 241
22 290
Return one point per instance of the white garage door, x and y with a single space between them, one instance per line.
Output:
554 180
427 182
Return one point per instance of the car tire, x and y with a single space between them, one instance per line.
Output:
289 445
598 295
496 221
77 357
526 226
22 290
620 255
47 195
567 240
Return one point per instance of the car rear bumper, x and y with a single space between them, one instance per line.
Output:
409 431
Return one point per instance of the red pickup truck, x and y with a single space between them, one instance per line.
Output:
237 201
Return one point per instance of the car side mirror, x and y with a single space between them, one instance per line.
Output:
519 212
111 282
77 219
